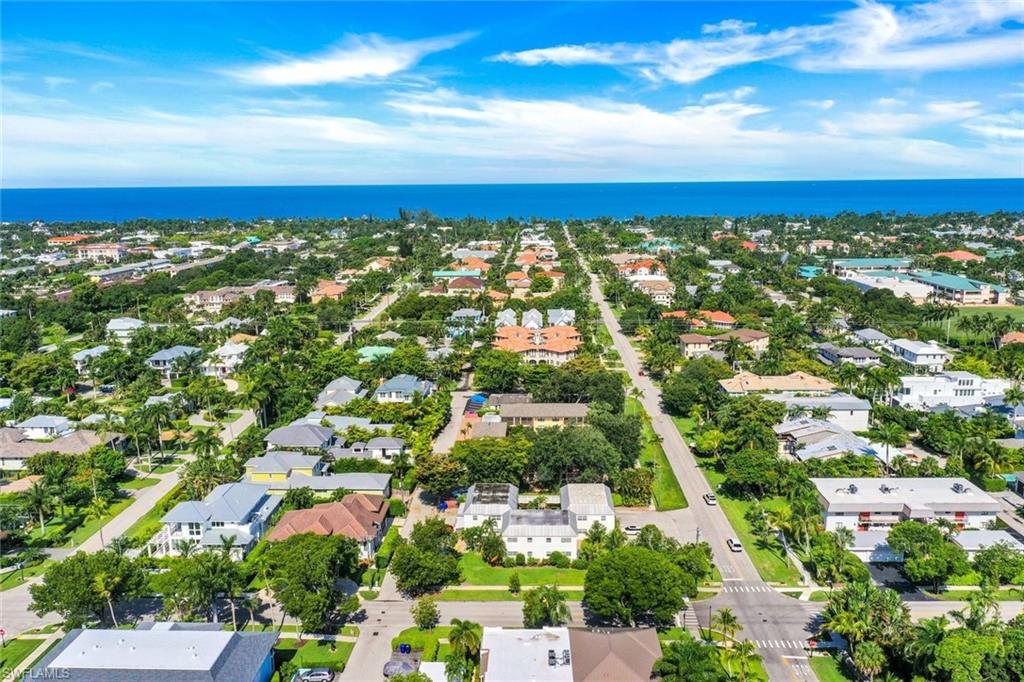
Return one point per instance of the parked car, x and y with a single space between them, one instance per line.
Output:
315 675
632 530
734 544
709 498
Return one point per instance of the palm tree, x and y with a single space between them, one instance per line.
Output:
206 443
106 584
687 660
38 499
66 378
821 412
889 435
847 374
744 652
726 622
97 509
464 641
869 659
550 603
158 415
58 478
928 635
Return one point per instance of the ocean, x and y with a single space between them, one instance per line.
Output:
619 200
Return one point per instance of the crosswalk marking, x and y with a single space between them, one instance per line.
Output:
780 644
747 588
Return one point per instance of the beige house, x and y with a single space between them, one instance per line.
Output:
795 382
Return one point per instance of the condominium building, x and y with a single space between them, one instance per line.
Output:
862 504
952 388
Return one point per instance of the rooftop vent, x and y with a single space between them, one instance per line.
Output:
565 657
552 658
959 488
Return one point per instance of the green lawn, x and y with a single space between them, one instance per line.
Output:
756 672
16 651
149 523
686 427
962 595
667 493
423 640
827 669
476 572
138 483
13 579
770 561
92 526
496 595
313 653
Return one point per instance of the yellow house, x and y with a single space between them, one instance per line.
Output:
542 415
275 468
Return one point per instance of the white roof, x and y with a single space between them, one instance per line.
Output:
919 495
918 347
143 650
521 655
587 498
973 540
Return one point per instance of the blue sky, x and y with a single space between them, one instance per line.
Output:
127 94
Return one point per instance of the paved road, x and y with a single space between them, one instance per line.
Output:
373 313
446 439
788 618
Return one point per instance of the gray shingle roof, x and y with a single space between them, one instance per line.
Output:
300 436
173 353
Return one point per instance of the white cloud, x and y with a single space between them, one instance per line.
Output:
735 95
356 58
884 121
100 86
940 35
821 104
446 136
999 126
54 82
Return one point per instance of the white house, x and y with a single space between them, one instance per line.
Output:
122 329
239 511
225 360
44 427
166 361
879 503
538 532
919 356
83 357
848 411
953 388
971 541
339 392
402 389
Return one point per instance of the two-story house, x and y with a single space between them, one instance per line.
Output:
225 360
168 361
402 389
300 437
919 356
82 358
952 388
237 511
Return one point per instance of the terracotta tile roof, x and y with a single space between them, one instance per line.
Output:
466 283
516 275
557 339
354 517
959 255
1012 337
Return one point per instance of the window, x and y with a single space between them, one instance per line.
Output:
581 518
566 539
195 530
548 540
217 524
529 539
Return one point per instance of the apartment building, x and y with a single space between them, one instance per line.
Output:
864 504
106 253
659 288
213 301
545 346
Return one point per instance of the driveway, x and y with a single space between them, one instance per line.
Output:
446 439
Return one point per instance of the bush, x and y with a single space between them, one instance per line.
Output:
396 507
509 562
580 564
520 559
532 561
387 548
558 560
992 484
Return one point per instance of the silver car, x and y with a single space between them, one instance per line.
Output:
316 675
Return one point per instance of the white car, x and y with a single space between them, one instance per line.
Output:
734 544
709 498
632 530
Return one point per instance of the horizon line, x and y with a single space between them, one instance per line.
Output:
504 184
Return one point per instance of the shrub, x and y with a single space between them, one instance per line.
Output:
532 561
514 584
520 559
580 564
509 562
396 507
387 548
993 484
558 560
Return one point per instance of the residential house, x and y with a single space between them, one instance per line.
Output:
806 439
952 388
403 389
518 654
486 502
122 329
879 503
485 428
871 337
725 266
239 511
327 288
1011 337
380 448
225 360
300 437
276 466
540 532
455 274
694 345
641 267
465 285
617 654
533 319
340 392
545 346
16 448
68 239
561 317
282 471
661 289
44 427
830 354
850 412
517 280
168 361
973 541
541 415
590 503
817 245
463 321
716 319
213 301
505 318
83 357
182 652
919 356
363 518
795 382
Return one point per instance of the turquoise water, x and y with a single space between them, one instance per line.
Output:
517 201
